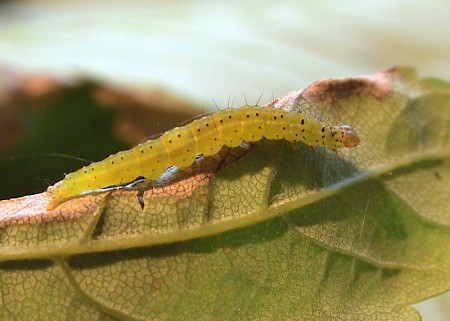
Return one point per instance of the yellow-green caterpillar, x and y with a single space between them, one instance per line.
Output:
181 145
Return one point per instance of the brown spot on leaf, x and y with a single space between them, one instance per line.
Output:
332 90
32 209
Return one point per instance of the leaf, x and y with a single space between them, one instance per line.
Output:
277 232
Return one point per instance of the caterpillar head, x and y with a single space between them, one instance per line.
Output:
345 136
350 138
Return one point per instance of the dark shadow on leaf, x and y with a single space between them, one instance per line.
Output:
257 233
26 265
369 202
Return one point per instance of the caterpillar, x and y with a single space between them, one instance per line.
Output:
207 135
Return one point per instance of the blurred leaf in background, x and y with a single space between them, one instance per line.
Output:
51 126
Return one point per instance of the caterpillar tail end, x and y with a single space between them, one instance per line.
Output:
55 196
54 202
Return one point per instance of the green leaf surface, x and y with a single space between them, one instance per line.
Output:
282 232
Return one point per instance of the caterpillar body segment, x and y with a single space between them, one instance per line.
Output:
175 149
228 127
207 135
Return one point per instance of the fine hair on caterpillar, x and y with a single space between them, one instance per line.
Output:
206 135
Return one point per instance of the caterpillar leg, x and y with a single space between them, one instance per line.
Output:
141 184
140 198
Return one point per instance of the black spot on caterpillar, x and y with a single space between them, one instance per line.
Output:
207 135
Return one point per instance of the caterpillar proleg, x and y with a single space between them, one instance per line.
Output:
207 135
